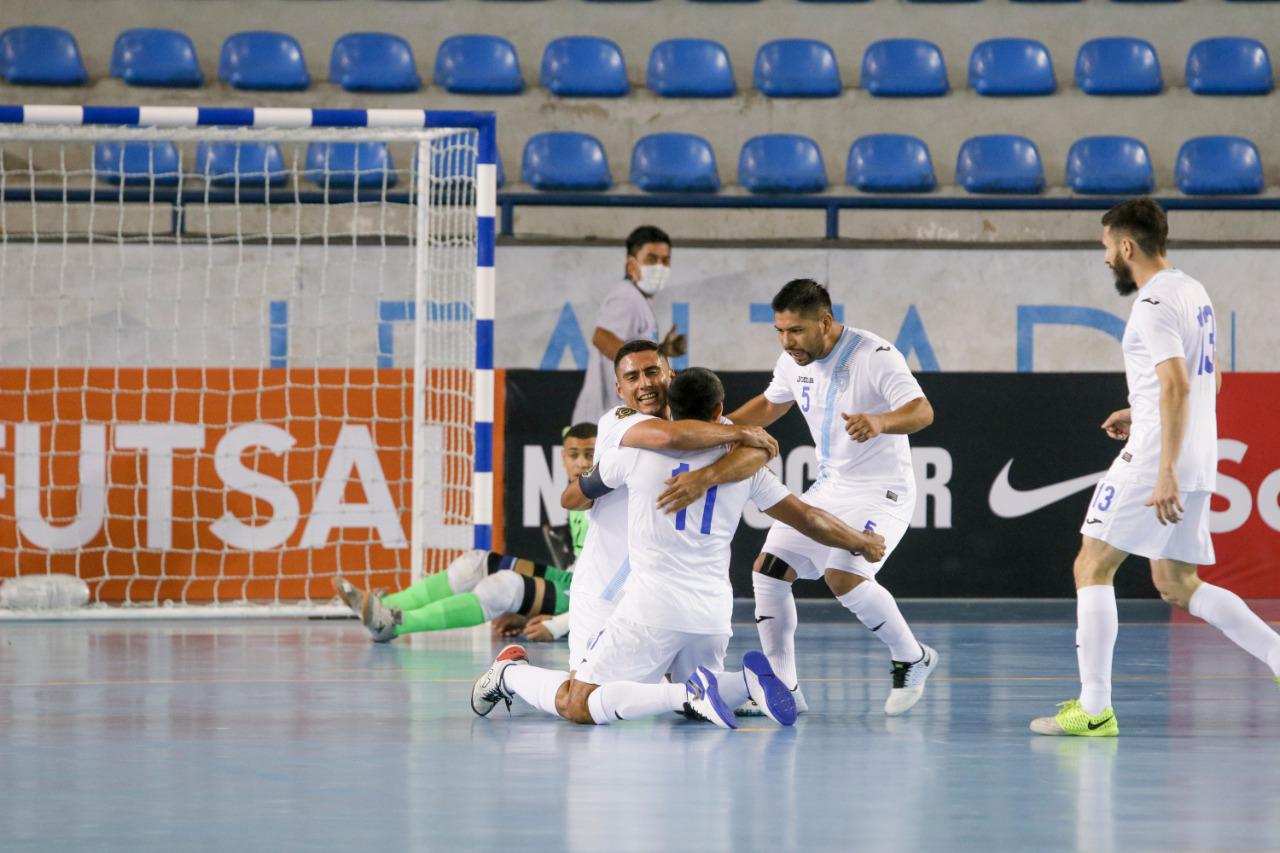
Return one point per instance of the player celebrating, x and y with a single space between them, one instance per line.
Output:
861 402
474 588
675 617
1154 500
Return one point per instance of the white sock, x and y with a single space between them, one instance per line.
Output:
1096 626
733 688
631 700
1227 612
874 606
535 685
776 620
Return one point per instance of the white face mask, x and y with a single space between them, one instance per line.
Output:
653 277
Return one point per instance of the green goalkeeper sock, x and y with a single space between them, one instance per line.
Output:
431 588
458 611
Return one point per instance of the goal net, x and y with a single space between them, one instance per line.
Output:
237 361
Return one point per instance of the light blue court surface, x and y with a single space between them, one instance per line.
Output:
247 736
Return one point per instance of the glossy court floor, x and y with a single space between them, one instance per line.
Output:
284 735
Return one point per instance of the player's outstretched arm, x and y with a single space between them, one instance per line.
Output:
825 529
759 411
736 465
657 434
904 420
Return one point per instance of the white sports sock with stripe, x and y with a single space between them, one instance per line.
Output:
1227 612
535 685
631 700
1097 624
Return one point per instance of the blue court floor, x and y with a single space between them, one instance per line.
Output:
286 735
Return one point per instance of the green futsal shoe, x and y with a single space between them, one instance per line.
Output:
1073 720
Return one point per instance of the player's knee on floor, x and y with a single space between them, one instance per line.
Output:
562 699
500 593
840 582
774 567
577 709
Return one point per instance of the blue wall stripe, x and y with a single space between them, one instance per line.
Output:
484 345
278 337
484 241
1030 316
110 115
762 312
484 447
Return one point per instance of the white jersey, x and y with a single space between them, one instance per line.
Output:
627 313
863 373
601 569
1171 318
679 577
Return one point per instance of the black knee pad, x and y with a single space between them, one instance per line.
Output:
539 597
774 567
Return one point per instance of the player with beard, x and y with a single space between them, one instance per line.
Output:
1154 500
860 402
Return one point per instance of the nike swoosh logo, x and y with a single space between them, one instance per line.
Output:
1093 521
1152 301
760 619
1008 502
1096 726
882 349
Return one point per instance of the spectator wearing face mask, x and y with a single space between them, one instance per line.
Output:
627 314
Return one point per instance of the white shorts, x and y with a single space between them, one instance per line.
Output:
887 517
1118 515
625 651
587 615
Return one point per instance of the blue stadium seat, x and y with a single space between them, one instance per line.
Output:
564 160
155 58
1110 165
890 163
904 68
452 161
584 66
263 60
782 163
133 163
374 62
41 56
999 164
1118 66
248 164
1219 165
1011 67
797 68
690 68
348 165
478 65
674 163
1229 66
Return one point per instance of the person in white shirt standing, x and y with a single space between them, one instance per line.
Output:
626 315
1154 500
675 617
860 401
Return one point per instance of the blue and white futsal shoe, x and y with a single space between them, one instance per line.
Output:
702 696
767 691
751 708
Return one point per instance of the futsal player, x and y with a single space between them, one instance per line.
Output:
1154 500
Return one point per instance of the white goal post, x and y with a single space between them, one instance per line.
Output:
243 351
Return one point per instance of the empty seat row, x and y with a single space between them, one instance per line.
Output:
595 67
680 162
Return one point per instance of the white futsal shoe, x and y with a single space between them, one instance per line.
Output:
489 690
908 682
702 699
751 708
380 620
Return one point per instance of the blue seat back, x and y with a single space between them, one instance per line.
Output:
782 163
148 57
1011 67
890 163
137 163
478 65
584 66
41 56
347 165
1118 66
999 163
453 161
263 60
1110 165
904 68
564 160
374 62
674 162
797 68
1219 165
247 164
690 68
1229 66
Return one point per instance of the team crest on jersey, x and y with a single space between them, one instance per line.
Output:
841 379
624 412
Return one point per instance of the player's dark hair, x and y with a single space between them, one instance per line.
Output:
638 345
1144 221
586 429
645 234
803 296
694 394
